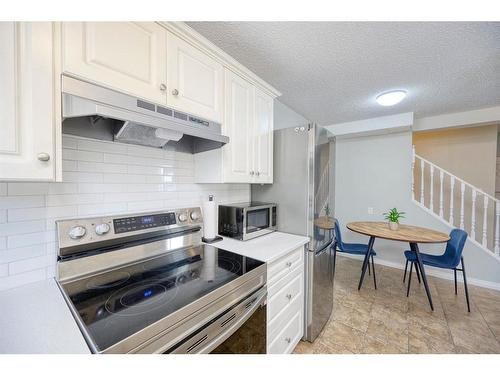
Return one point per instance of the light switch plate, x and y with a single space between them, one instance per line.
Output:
370 210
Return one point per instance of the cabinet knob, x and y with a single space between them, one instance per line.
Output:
163 87
288 340
43 156
288 264
252 173
289 296
175 92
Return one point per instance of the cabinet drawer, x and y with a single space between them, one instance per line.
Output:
276 325
283 266
280 299
287 339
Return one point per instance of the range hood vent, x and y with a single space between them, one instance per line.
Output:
97 112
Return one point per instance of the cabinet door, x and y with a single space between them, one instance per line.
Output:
195 80
263 137
127 56
238 126
27 121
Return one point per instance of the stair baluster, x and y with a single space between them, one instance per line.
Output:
462 206
452 198
422 167
473 217
413 172
485 221
497 228
441 179
431 206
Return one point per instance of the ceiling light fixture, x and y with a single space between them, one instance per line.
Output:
389 98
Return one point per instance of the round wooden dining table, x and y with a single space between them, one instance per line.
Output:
405 233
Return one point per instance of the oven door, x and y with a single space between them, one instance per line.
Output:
241 329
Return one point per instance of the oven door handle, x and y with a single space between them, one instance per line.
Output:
256 301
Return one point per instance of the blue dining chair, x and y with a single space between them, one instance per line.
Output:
450 259
351 248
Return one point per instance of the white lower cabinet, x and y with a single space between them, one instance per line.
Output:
285 302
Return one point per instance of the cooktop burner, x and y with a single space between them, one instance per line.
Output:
121 302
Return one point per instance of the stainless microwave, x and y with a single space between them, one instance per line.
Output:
244 221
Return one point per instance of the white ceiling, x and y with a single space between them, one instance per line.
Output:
330 72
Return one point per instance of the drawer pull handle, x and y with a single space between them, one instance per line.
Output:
289 296
288 340
288 264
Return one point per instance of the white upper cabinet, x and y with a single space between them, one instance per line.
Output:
263 137
195 80
238 126
248 122
128 56
27 115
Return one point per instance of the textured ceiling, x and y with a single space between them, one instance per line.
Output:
330 72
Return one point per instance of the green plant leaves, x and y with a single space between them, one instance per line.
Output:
394 215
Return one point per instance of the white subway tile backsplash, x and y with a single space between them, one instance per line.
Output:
86 166
4 270
63 188
30 264
12 228
100 178
94 145
27 188
115 178
100 209
12 255
22 240
20 202
82 155
69 143
70 165
22 279
101 188
82 177
25 214
73 199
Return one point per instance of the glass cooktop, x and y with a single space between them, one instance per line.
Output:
118 303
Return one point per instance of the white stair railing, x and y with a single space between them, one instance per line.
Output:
471 208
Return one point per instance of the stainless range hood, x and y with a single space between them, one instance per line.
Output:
97 112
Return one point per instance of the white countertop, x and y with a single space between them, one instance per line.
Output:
266 248
36 319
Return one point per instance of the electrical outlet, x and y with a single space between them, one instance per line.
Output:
370 210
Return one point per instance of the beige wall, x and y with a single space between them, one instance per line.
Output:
468 153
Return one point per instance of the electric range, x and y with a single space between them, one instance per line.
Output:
145 283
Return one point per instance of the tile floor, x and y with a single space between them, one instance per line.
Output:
385 321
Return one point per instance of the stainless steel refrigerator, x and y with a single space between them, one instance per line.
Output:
301 188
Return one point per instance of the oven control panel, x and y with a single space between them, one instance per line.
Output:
129 224
78 235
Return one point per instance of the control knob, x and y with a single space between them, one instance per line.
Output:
182 218
195 215
77 232
102 228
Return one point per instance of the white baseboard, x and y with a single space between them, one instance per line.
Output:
431 271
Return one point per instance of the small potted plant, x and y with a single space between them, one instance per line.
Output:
327 210
393 216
